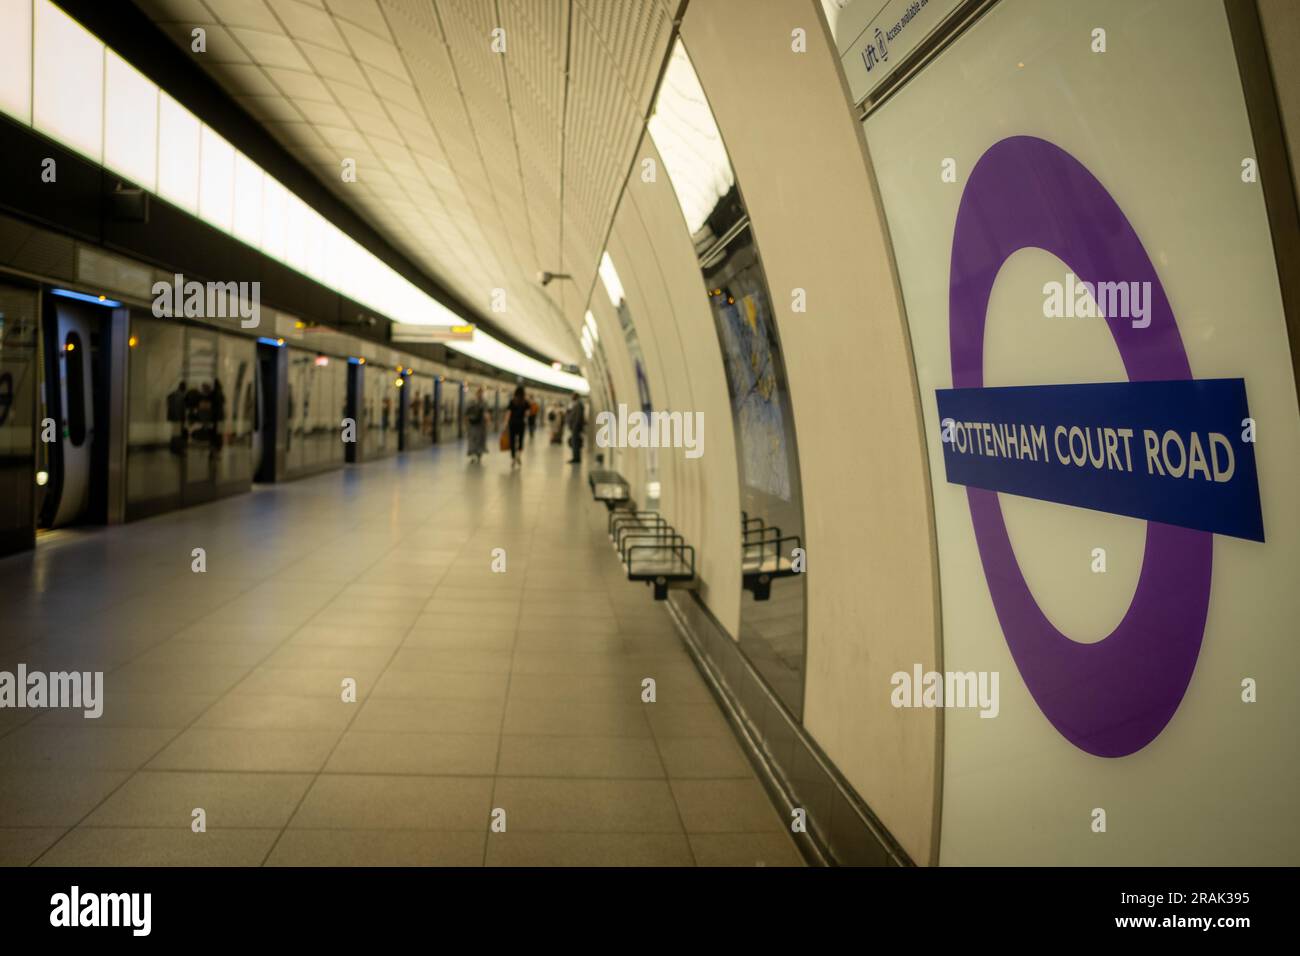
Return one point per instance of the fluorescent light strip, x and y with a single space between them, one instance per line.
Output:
85 297
688 141
201 173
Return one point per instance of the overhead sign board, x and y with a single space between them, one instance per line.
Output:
406 332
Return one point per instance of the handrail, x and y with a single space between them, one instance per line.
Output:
644 534
630 514
665 537
636 532
634 521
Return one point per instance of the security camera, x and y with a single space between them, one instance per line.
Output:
545 277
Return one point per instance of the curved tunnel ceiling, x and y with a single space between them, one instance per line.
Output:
484 168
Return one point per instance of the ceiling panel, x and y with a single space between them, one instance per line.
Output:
484 168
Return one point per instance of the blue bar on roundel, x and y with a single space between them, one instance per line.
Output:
1178 452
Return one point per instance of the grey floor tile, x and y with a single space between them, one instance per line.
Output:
415 753
378 848
610 689
573 718
575 622
88 746
745 849
204 656
20 846
500 607
671 719
161 711
458 639
278 712
137 846
481 660
485 620
374 802
433 684
325 682
145 679
284 751
333 634
602 757
430 716
726 806
206 630
588 849
586 806
58 797
346 659
600 664
704 758
167 799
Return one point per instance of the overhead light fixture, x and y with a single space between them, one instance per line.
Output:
610 280
92 299
263 213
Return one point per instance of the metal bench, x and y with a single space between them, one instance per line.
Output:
765 555
609 487
652 551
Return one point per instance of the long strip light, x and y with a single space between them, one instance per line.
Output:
63 81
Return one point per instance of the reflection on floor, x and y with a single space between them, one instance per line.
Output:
475 690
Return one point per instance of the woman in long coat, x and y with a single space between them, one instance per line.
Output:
476 421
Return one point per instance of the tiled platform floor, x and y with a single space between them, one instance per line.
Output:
475 690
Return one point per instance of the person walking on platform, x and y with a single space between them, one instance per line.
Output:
533 410
556 418
577 422
476 420
517 422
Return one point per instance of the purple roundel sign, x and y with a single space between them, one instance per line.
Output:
1115 696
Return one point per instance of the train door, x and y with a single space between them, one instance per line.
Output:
260 420
267 413
437 409
19 375
75 393
200 423
356 396
404 411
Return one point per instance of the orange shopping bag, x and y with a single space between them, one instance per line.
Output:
505 439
